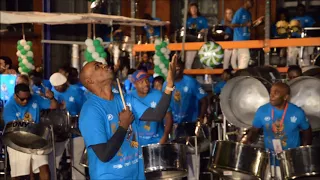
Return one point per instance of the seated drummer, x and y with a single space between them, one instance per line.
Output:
25 106
71 97
150 132
281 122
109 132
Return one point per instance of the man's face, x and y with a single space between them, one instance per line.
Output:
158 85
3 66
22 98
61 88
293 75
143 86
229 14
193 10
63 72
300 11
179 69
99 73
250 4
277 95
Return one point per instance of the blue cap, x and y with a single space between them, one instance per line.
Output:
138 75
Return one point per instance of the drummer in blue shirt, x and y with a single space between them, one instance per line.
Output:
281 122
195 24
109 131
150 30
25 106
72 99
150 132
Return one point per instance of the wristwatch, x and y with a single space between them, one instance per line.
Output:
170 89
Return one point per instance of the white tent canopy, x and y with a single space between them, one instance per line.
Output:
10 17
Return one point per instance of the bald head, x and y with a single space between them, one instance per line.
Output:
85 72
284 87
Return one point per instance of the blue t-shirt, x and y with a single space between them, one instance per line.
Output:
218 87
150 132
197 23
73 97
7 83
99 120
87 93
242 16
185 99
228 30
294 121
305 21
13 111
38 89
153 30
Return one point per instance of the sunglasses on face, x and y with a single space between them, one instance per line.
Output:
23 99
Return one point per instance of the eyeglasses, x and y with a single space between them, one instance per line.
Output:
23 99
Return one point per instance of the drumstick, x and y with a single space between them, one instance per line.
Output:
121 94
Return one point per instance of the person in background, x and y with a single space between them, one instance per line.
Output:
293 52
142 68
117 33
150 31
71 99
294 71
150 132
6 65
282 15
242 24
185 100
229 54
282 123
127 83
145 63
158 83
39 85
225 76
25 106
195 23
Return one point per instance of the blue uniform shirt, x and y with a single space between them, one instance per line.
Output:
294 121
99 120
228 30
197 23
73 97
13 111
150 132
218 87
153 30
185 99
242 16
305 21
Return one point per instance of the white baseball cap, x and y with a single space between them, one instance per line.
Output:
57 79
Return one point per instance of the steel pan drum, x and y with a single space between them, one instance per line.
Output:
301 163
28 137
305 93
268 73
165 161
238 161
186 135
241 97
60 120
311 71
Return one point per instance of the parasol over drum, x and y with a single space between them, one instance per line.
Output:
305 93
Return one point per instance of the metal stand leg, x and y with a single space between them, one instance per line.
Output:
54 154
5 162
224 128
197 158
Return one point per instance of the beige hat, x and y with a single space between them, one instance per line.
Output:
57 79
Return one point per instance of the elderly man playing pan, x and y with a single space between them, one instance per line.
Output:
110 130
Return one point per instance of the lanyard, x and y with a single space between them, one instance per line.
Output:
283 115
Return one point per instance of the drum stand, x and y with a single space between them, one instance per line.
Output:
54 153
72 159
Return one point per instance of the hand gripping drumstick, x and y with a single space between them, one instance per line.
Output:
122 98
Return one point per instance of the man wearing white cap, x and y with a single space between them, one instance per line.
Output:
71 98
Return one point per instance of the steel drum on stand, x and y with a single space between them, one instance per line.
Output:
165 161
28 137
238 161
305 93
301 163
241 97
